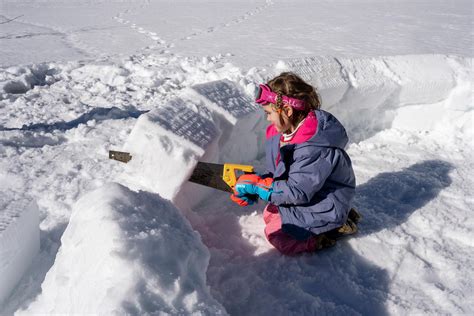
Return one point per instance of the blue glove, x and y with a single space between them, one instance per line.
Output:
244 200
251 185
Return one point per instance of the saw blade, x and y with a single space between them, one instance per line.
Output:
210 175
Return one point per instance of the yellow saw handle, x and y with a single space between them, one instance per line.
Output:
229 173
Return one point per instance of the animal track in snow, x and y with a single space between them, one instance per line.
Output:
237 20
151 35
161 43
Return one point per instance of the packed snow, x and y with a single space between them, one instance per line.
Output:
187 129
134 253
19 240
172 83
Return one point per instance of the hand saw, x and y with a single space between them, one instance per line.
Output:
218 176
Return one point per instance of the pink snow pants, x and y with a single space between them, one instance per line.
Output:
283 242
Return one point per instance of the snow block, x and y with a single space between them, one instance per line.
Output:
164 143
225 98
167 142
19 242
124 253
235 113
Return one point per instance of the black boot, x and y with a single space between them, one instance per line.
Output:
324 241
354 216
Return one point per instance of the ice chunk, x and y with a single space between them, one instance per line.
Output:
127 252
19 241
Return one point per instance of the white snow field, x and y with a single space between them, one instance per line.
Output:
172 83
252 32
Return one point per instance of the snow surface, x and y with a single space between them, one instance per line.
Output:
253 32
110 75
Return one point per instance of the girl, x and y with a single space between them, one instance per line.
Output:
309 181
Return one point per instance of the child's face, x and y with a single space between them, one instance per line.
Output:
281 122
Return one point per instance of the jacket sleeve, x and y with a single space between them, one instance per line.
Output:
306 176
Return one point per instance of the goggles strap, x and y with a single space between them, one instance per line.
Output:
266 95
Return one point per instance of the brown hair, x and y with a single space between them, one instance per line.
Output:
291 85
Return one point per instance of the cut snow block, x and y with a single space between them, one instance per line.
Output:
205 120
226 98
127 253
19 242
242 126
241 131
165 145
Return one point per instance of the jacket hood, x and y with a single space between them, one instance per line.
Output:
329 131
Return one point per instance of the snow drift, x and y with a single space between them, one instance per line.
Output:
132 253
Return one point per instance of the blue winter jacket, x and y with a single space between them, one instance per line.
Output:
313 181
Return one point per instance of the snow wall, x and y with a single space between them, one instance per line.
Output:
367 94
217 122
19 241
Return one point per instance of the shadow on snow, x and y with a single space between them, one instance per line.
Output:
388 199
97 114
335 281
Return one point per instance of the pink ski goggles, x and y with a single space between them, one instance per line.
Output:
265 95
